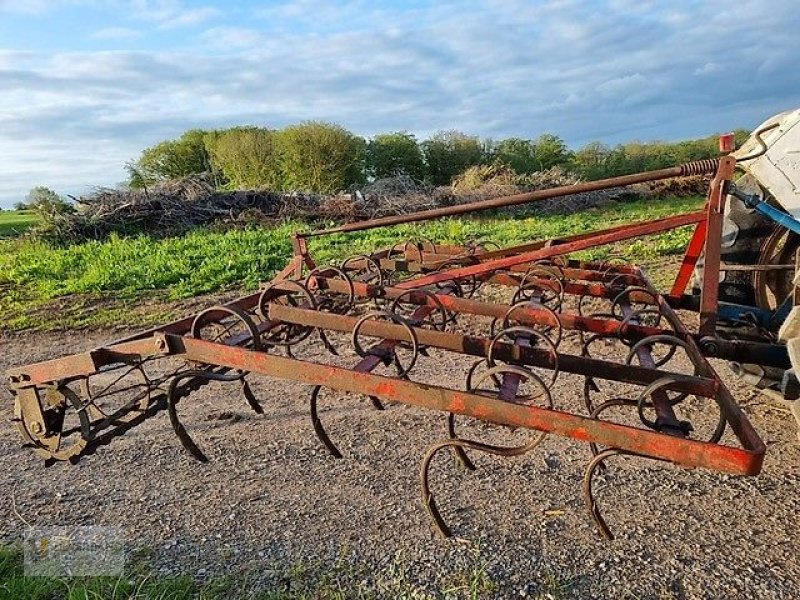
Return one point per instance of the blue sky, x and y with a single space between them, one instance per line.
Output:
86 84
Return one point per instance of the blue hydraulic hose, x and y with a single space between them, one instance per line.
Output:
778 216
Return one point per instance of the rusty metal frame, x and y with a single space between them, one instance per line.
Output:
435 282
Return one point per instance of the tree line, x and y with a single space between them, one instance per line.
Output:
326 158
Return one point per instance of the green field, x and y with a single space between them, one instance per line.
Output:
14 222
101 282
309 580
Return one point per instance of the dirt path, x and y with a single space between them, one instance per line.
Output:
272 499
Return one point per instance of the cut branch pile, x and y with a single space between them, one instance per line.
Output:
173 207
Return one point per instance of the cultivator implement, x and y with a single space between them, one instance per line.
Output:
531 319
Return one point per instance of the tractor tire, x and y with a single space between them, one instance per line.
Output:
743 238
743 234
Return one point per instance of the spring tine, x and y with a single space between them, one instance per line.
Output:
250 397
428 499
595 414
458 451
177 426
174 395
327 343
427 496
318 428
588 496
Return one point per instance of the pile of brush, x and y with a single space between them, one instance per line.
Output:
173 207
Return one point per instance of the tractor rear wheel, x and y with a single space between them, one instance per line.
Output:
749 238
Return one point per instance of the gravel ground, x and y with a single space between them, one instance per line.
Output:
272 502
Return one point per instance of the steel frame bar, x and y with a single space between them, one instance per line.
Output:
630 232
479 346
690 453
692 255
428 266
525 315
699 167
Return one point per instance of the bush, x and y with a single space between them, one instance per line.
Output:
46 202
479 176
390 154
449 153
245 157
172 159
320 157
517 154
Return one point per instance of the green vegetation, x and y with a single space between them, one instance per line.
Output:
391 153
94 283
312 580
246 157
449 153
325 157
171 159
320 157
14 222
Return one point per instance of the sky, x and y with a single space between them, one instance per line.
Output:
85 85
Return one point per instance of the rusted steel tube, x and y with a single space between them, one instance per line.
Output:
478 346
526 315
516 199
600 239
741 461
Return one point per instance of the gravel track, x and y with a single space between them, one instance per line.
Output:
272 498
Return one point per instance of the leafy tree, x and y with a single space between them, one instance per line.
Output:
449 153
517 154
320 157
171 159
392 153
550 151
592 161
20 205
246 157
44 200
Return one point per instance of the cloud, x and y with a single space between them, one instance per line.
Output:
170 14
116 33
614 71
226 38
30 7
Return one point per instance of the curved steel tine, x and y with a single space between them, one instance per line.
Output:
588 496
427 496
327 343
458 451
318 428
251 397
589 386
172 401
595 414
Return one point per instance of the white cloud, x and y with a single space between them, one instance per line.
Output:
169 14
25 6
190 17
707 69
494 68
116 33
227 38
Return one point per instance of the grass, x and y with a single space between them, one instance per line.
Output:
95 283
14 222
344 579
